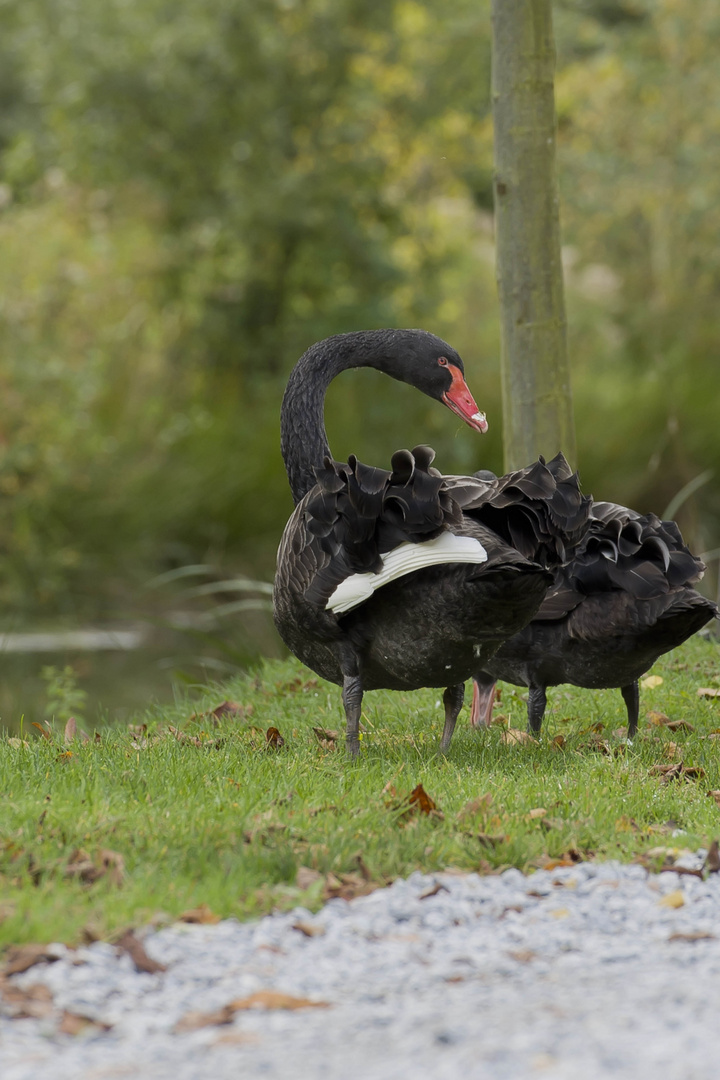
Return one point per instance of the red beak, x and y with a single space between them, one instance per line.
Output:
460 400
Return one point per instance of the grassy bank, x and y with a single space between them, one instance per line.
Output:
202 808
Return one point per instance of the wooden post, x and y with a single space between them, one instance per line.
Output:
537 399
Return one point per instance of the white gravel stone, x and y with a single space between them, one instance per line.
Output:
583 981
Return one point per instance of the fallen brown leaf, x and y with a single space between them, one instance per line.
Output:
44 730
438 887
183 737
348 886
309 929
306 877
420 799
75 1023
274 739
72 731
262 999
231 708
275 999
109 864
651 682
523 956
193 1021
491 840
136 951
471 809
236 1038
677 771
19 958
712 859
516 737
362 866
708 692
657 719
202 915
679 725
558 743
715 795
20 1003
675 899
538 812
697 935
327 738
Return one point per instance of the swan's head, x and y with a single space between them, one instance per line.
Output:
431 365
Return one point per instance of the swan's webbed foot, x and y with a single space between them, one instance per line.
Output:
631 697
482 701
537 700
352 695
453 701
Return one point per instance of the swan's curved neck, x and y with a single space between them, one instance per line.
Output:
302 422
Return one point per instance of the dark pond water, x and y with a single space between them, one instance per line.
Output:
126 666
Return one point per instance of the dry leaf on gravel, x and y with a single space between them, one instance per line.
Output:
193 1021
274 739
309 929
19 958
275 999
697 935
20 1003
675 899
263 999
136 951
438 887
523 956
712 859
202 915
75 1024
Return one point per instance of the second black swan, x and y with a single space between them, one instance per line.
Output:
625 598
391 578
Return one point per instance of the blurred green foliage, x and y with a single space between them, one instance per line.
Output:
192 193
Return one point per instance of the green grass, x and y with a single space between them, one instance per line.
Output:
228 822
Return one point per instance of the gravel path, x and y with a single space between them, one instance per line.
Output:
581 972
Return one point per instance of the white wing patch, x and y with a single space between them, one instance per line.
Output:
445 548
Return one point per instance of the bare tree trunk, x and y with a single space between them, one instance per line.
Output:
537 400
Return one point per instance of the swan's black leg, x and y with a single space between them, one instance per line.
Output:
537 700
482 702
453 701
631 697
352 695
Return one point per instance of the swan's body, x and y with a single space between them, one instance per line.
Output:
435 623
624 599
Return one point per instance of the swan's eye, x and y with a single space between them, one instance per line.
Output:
442 361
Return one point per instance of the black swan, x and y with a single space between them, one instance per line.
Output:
390 578
623 600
